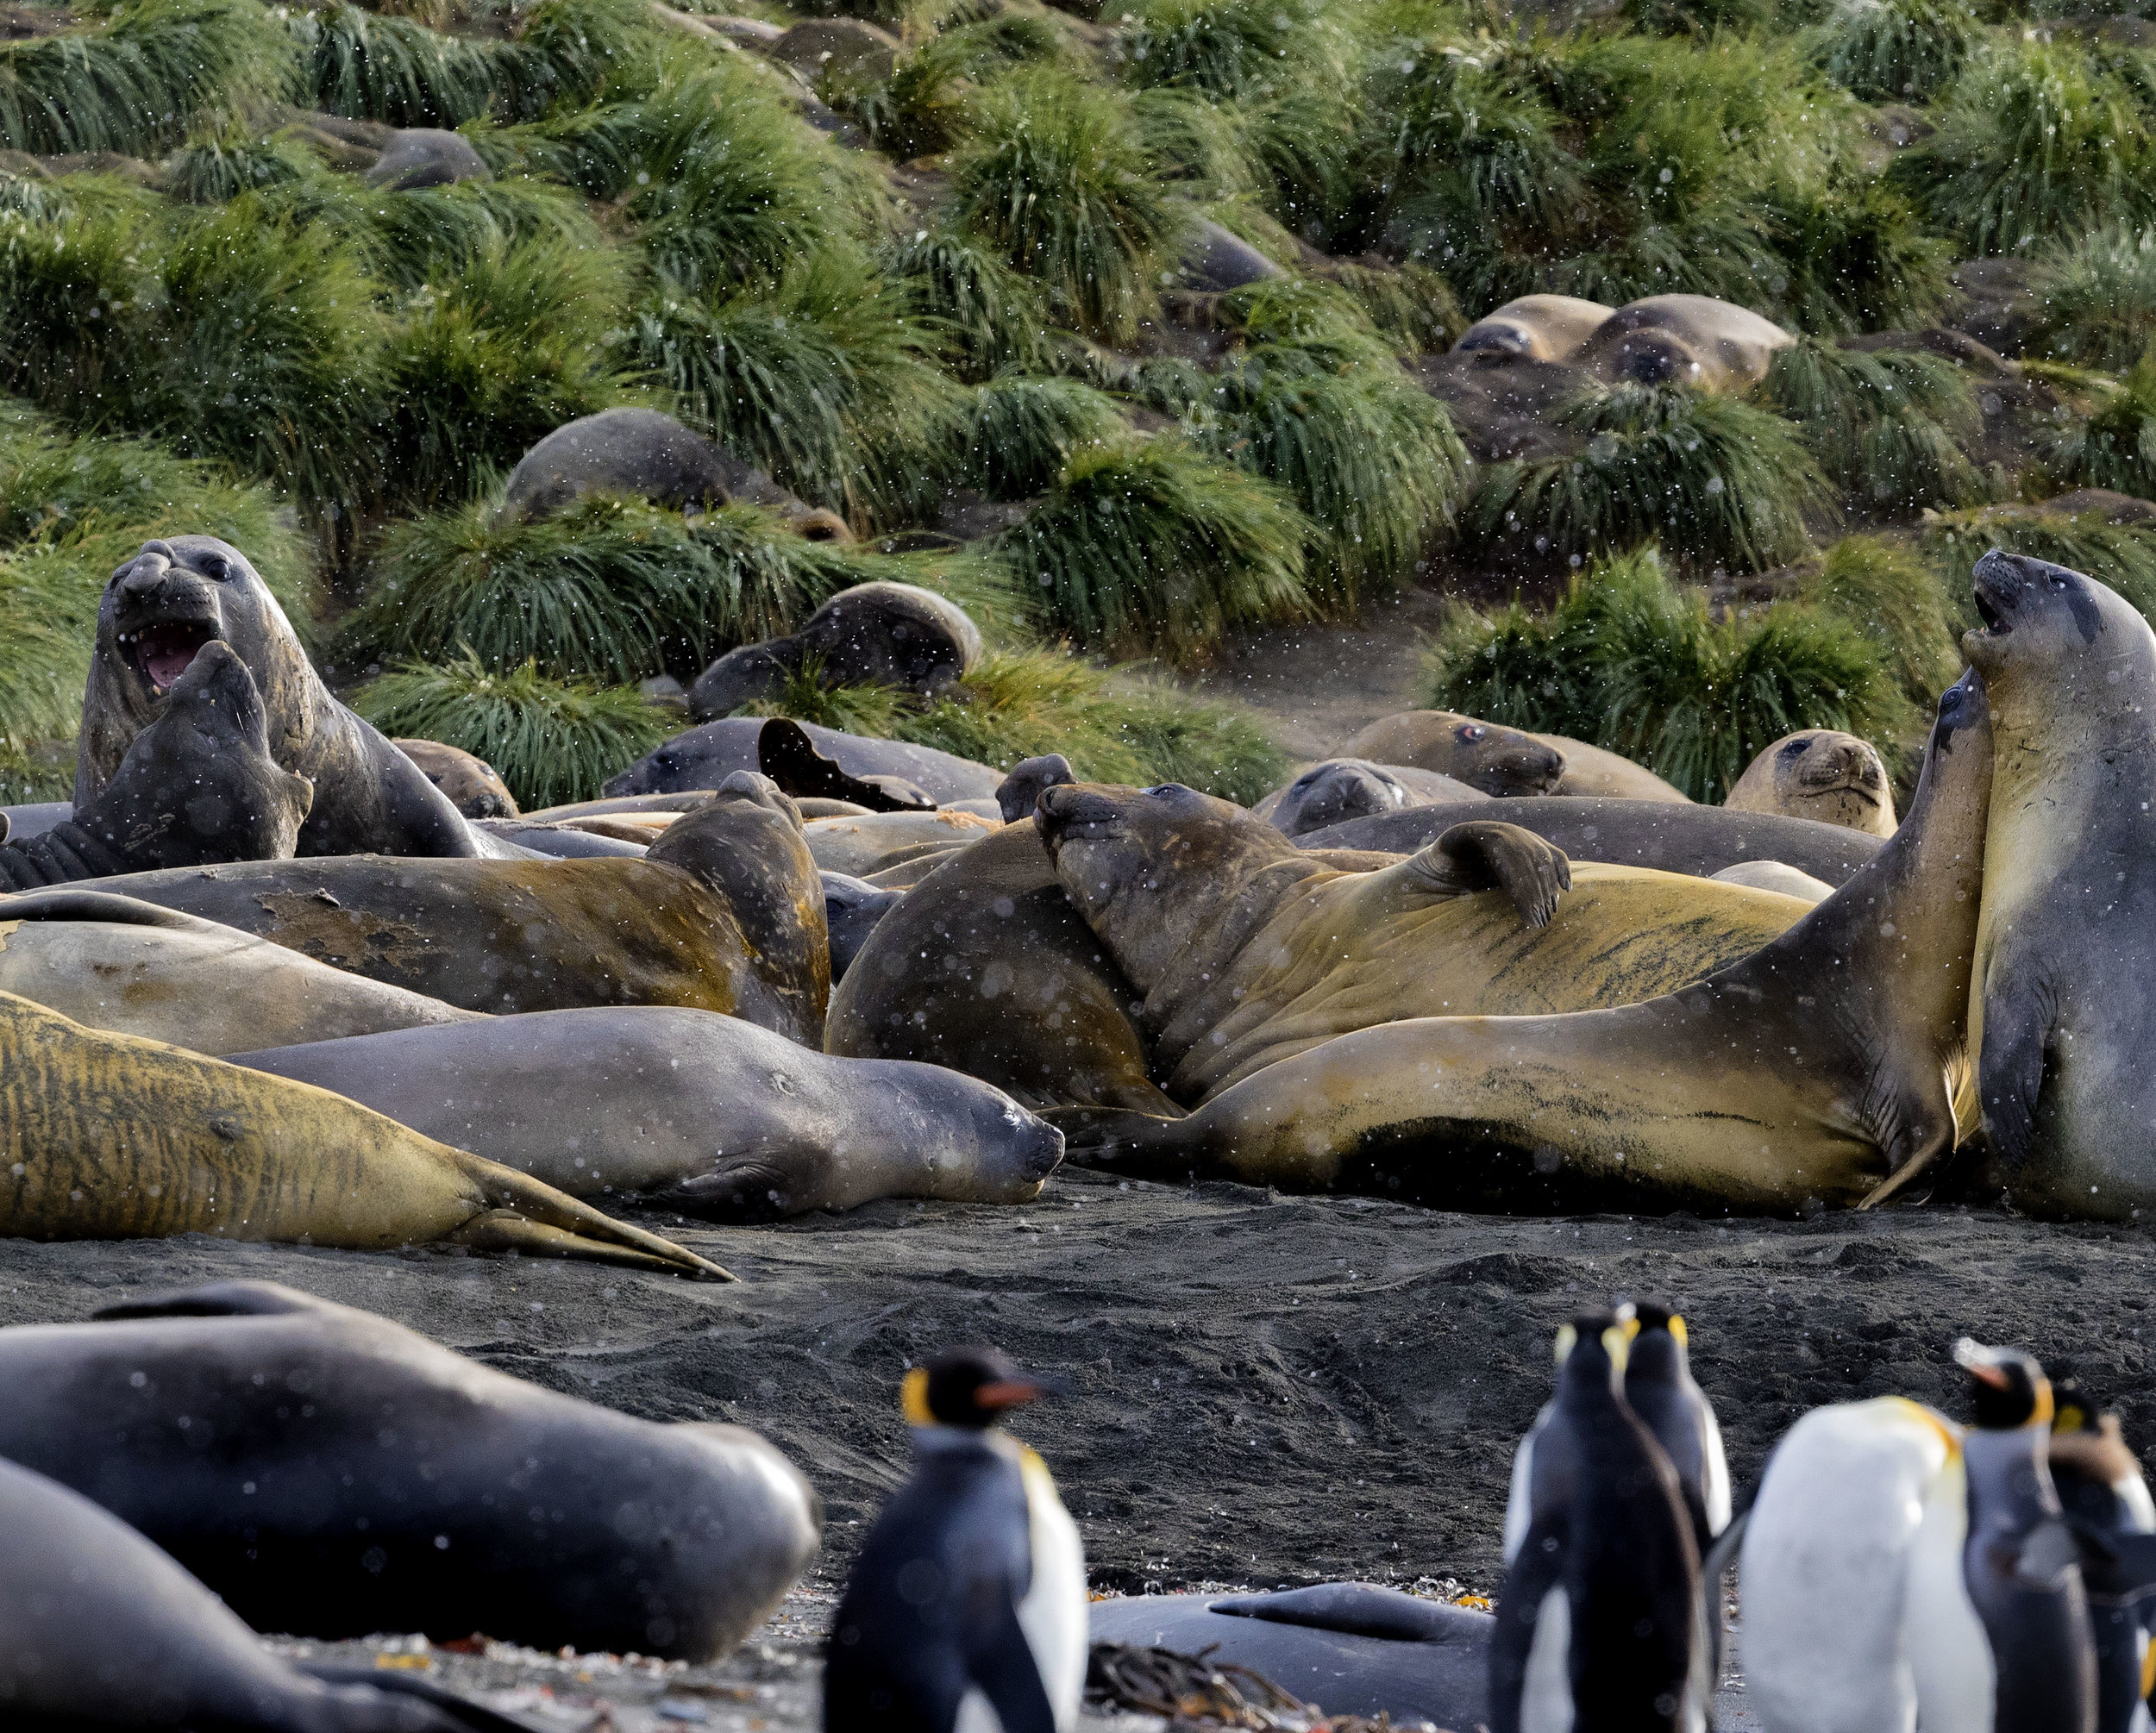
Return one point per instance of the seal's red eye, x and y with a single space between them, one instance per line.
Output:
1472 731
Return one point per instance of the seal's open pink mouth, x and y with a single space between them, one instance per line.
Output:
163 652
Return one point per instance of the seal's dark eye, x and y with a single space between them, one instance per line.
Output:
214 567
1470 731
1795 748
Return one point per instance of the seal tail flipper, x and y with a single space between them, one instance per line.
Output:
552 1222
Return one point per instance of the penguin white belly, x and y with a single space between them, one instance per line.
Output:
1545 1697
1054 1614
1949 1652
1713 1475
1520 1503
1827 1562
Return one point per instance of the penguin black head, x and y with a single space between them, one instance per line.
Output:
970 1388
1594 1344
2010 1386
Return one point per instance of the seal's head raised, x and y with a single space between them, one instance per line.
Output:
1496 760
175 596
2040 620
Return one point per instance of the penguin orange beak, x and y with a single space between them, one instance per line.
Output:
1011 1392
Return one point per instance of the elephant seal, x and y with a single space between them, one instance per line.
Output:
706 1115
639 453
1488 759
1684 339
1249 949
1666 835
2060 1021
106 1137
197 784
853 908
1336 790
879 634
862 846
1829 1067
1353 1649
705 755
1772 875
1496 760
1819 773
105 1631
341 1475
1019 793
984 968
725 913
420 157
158 612
1535 327
473 785
128 968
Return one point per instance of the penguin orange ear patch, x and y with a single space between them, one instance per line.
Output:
913 1398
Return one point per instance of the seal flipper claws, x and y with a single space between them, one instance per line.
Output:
1484 854
529 1216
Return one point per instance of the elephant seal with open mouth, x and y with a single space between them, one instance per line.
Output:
179 595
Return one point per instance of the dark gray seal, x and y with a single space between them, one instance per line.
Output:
1352 1648
704 756
159 612
197 785
105 1631
329 1472
880 633
709 1116
636 452
1336 790
1670 835
420 157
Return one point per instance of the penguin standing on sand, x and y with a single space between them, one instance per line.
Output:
1660 1390
966 1610
1598 1624
2105 1499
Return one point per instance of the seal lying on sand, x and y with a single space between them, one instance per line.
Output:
984 968
1249 949
1336 790
105 1631
112 1138
1824 1067
1502 761
127 967
1665 835
177 596
2061 1020
197 784
1819 773
415 1490
724 914
710 1115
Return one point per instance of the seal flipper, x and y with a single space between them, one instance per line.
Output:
527 1214
474 1716
787 754
1483 854
1354 1609
2010 1070
1124 1141
218 1299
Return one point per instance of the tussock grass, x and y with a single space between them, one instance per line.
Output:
369 67
2115 446
993 316
1886 591
491 359
825 381
1854 257
1894 51
1019 705
1629 662
1719 482
136 83
1154 546
613 589
2036 142
1411 305
2121 555
1053 177
218 166
1229 50
1887 426
407 237
921 110
2098 299
551 741
1020 432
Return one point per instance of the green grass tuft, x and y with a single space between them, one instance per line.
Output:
1718 482
1152 546
1229 50
138 84
551 741
1894 51
1886 591
366 66
2097 299
1053 177
994 318
1629 662
2121 555
1887 426
216 168
1411 305
2036 142
2115 446
1020 432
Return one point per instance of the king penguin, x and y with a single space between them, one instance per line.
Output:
1598 1623
1660 1390
966 1612
2104 1497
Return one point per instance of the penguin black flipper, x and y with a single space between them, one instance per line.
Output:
999 1661
1536 1573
